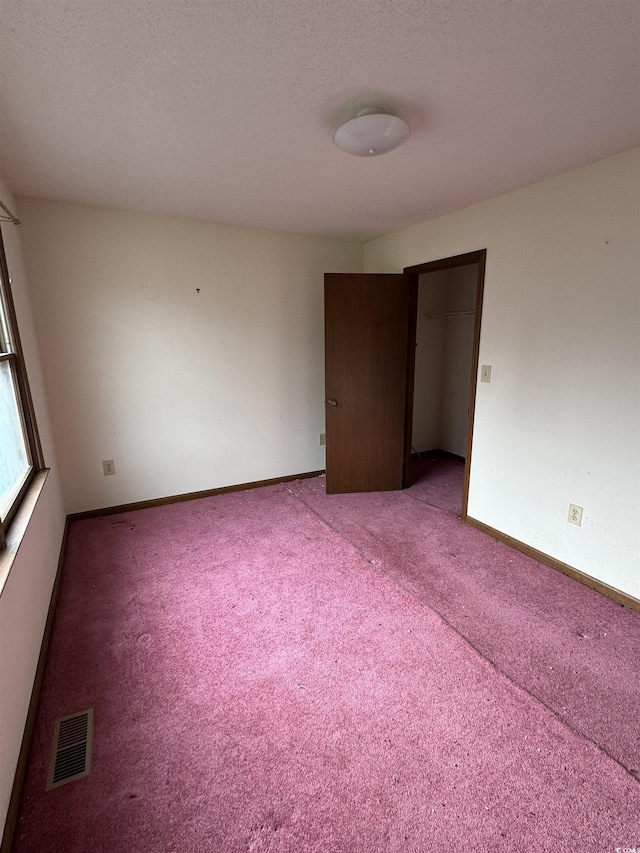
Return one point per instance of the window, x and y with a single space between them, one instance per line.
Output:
20 451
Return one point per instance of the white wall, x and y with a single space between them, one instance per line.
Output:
185 390
427 393
444 354
24 601
458 358
560 420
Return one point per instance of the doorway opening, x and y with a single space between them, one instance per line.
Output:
447 319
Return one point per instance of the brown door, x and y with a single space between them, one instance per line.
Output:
369 356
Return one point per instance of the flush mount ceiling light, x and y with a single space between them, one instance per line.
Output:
371 132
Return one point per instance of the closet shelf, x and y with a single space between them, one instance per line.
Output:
450 315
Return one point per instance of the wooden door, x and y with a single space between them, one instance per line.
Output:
369 353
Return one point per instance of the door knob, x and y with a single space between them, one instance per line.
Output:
332 402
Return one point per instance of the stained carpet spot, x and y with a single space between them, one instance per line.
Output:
71 749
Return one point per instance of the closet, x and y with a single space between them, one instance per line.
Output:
444 359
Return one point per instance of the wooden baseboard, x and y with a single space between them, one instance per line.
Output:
188 496
13 813
599 586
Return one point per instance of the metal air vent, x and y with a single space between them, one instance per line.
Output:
71 749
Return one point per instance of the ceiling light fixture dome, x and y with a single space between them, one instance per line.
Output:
371 132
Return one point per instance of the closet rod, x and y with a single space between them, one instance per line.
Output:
9 217
448 315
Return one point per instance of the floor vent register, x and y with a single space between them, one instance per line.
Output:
71 749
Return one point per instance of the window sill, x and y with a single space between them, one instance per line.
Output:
19 525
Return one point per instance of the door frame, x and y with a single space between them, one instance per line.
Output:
477 257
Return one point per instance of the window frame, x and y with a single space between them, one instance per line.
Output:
15 358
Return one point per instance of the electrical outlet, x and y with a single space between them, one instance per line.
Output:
485 373
322 438
575 514
108 466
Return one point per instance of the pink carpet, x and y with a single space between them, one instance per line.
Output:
276 670
570 647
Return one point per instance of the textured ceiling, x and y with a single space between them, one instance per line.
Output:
225 109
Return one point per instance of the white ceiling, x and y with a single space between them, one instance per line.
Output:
225 109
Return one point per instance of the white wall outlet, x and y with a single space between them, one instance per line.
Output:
575 514
108 466
485 373
322 438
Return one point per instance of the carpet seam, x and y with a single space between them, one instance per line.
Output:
443 619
